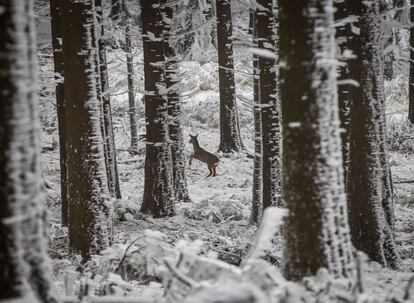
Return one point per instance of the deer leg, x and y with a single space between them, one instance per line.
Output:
210 170
191 160
214 171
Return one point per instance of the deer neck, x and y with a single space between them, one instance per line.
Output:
196 145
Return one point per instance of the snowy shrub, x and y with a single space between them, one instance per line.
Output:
216 211
400 133
396 92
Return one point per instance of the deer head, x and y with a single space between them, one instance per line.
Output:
193 139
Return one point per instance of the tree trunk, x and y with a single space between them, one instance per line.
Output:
90 226
108 133
411 77
175 114
368 175
316 231
23 250
230 140
158 187
257 114
271 150
131 90
343 37
55 13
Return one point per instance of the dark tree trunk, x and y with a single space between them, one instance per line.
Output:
369 192
23 242
55 13
316 231
257 113
344 37
411 78
266 23
175 114
230 140
90 226
108 132
131 90
158 189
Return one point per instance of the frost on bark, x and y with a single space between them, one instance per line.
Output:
369 185
55 14
266 23
230 140
316 230
175 113
257 163
131 90
103 94
344 39
90 209
411 76
23 258
158 187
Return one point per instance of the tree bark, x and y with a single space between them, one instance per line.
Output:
230 140
369 193
344 37
108 133
158 187
175 115
257 114
266 22
131 90
411 76
55 13
25 275
90 226
316 230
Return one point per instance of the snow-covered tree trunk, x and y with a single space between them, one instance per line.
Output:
55 14
23 250
131 90
343 37
267 23
411 76
257 114
369 192
316 231
158 187
175 113
230 140
108 133
90 209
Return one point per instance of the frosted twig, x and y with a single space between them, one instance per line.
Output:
181 277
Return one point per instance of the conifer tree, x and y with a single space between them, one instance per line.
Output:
316 231
158 187
369 184
55 14
24 269
230 140
267 23
90 226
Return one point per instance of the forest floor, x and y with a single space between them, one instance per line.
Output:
215 222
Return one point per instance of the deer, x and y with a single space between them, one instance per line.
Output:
203 156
